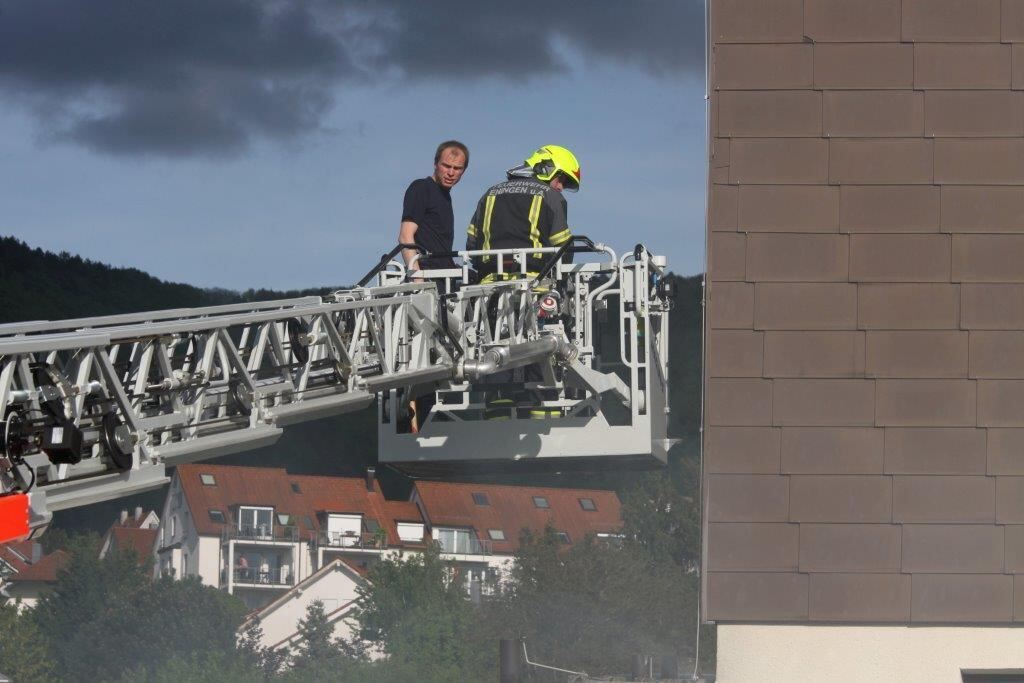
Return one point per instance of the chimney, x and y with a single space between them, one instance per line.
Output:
371 476
37 552
138 513
124 518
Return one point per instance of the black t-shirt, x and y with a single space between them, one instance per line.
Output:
429 206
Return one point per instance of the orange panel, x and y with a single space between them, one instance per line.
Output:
13 517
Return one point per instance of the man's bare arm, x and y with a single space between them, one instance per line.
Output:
407 235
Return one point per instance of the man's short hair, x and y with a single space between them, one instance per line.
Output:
451 144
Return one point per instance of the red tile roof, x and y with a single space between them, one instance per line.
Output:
19 557
263 486
511 509
141 540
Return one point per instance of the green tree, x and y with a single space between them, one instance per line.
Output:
251 649
24 655
316 647
417 611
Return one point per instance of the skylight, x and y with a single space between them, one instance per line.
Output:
207 480
481 499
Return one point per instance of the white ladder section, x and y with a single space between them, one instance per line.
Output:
98 408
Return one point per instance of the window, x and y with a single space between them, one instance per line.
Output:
308 521
256 522
174 524
481 499
344 530
496 534
588 504
207 480
456 541
563 537
410 531
371 525
541 502
295 487
217 517
283 518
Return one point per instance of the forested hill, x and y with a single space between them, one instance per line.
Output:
41 285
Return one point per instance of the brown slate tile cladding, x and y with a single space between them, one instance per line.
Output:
864 450
880 162
823 402
838 21
858 113
832 450
950 113
979 162
757 597
934 21
1005 451
979 67
742 450
999 403
840 499
753 547
814 354
940 499
748 498
812 258
783 208
779 160
926 403
764 67
889 208
988 258
939 450
774 113
859 597
764 21
982 209
992 307
900 258
952 549
806 306
964 598
1010 500
908 306
738 353
864 66
864 548
997 355
739 402
899 354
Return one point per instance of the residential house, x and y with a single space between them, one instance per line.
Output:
137 531
268 536
26 573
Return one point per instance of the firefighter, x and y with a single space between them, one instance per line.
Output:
526 210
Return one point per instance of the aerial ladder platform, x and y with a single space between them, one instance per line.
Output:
564 367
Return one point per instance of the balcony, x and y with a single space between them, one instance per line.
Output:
463 545
348 539
262 533
281 576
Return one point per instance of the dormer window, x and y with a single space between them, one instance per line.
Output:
256 522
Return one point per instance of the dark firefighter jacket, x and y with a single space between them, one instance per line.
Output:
518 213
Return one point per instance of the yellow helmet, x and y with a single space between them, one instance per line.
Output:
550 160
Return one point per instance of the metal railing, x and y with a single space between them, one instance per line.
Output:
261 532
464 546
281 576
365 540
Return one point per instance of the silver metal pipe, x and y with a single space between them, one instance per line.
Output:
501 358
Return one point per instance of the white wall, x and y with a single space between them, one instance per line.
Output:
839 654
207 560
336 589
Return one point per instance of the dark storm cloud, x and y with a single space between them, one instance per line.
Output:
205 77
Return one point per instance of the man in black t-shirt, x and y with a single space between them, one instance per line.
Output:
427 218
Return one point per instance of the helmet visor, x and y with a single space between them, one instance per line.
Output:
569 183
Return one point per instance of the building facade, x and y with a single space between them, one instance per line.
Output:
864 460
269 537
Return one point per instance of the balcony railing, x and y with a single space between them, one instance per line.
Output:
281 576
341 539
275 532
465 546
